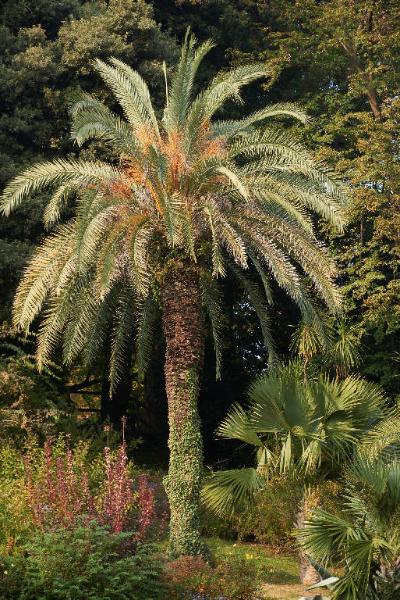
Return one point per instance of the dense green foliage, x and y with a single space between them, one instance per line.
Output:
365 538
83 563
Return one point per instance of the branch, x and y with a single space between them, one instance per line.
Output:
77 387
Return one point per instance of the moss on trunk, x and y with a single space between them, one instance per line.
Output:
184 337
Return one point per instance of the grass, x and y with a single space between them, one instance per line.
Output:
273 568
278 573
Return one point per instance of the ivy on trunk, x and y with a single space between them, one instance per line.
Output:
184 336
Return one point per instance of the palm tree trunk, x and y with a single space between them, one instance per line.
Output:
184 338
308 574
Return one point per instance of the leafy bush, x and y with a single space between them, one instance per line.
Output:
191 577
270 520
15 514
84 563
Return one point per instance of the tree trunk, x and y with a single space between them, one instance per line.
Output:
184 338
308 575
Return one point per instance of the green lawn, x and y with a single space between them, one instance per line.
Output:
278 573
274 569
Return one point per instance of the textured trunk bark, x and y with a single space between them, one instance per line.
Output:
308 575
183 330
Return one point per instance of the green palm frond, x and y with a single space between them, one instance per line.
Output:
41 275
181 88
211 298
237 425
383 440
230 129
226 492
131 91
121 337
148 318
59 172
226 86
91 119
57 202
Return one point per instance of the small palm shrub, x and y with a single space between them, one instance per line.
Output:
86 563
365 540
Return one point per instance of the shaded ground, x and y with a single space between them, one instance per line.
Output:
285 592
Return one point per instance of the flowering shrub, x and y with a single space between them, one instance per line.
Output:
116 501
60 495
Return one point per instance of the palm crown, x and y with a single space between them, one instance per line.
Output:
222 194
296 427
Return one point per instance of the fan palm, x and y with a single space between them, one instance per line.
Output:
365 539
304 428
188 198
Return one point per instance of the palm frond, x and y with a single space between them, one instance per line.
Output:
211 298
91 119
131 92
181 88
226 492
122 337
59 172
148 319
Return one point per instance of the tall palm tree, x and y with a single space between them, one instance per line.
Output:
188 198
303 428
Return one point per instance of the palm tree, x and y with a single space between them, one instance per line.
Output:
187 198
301 428
365 539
